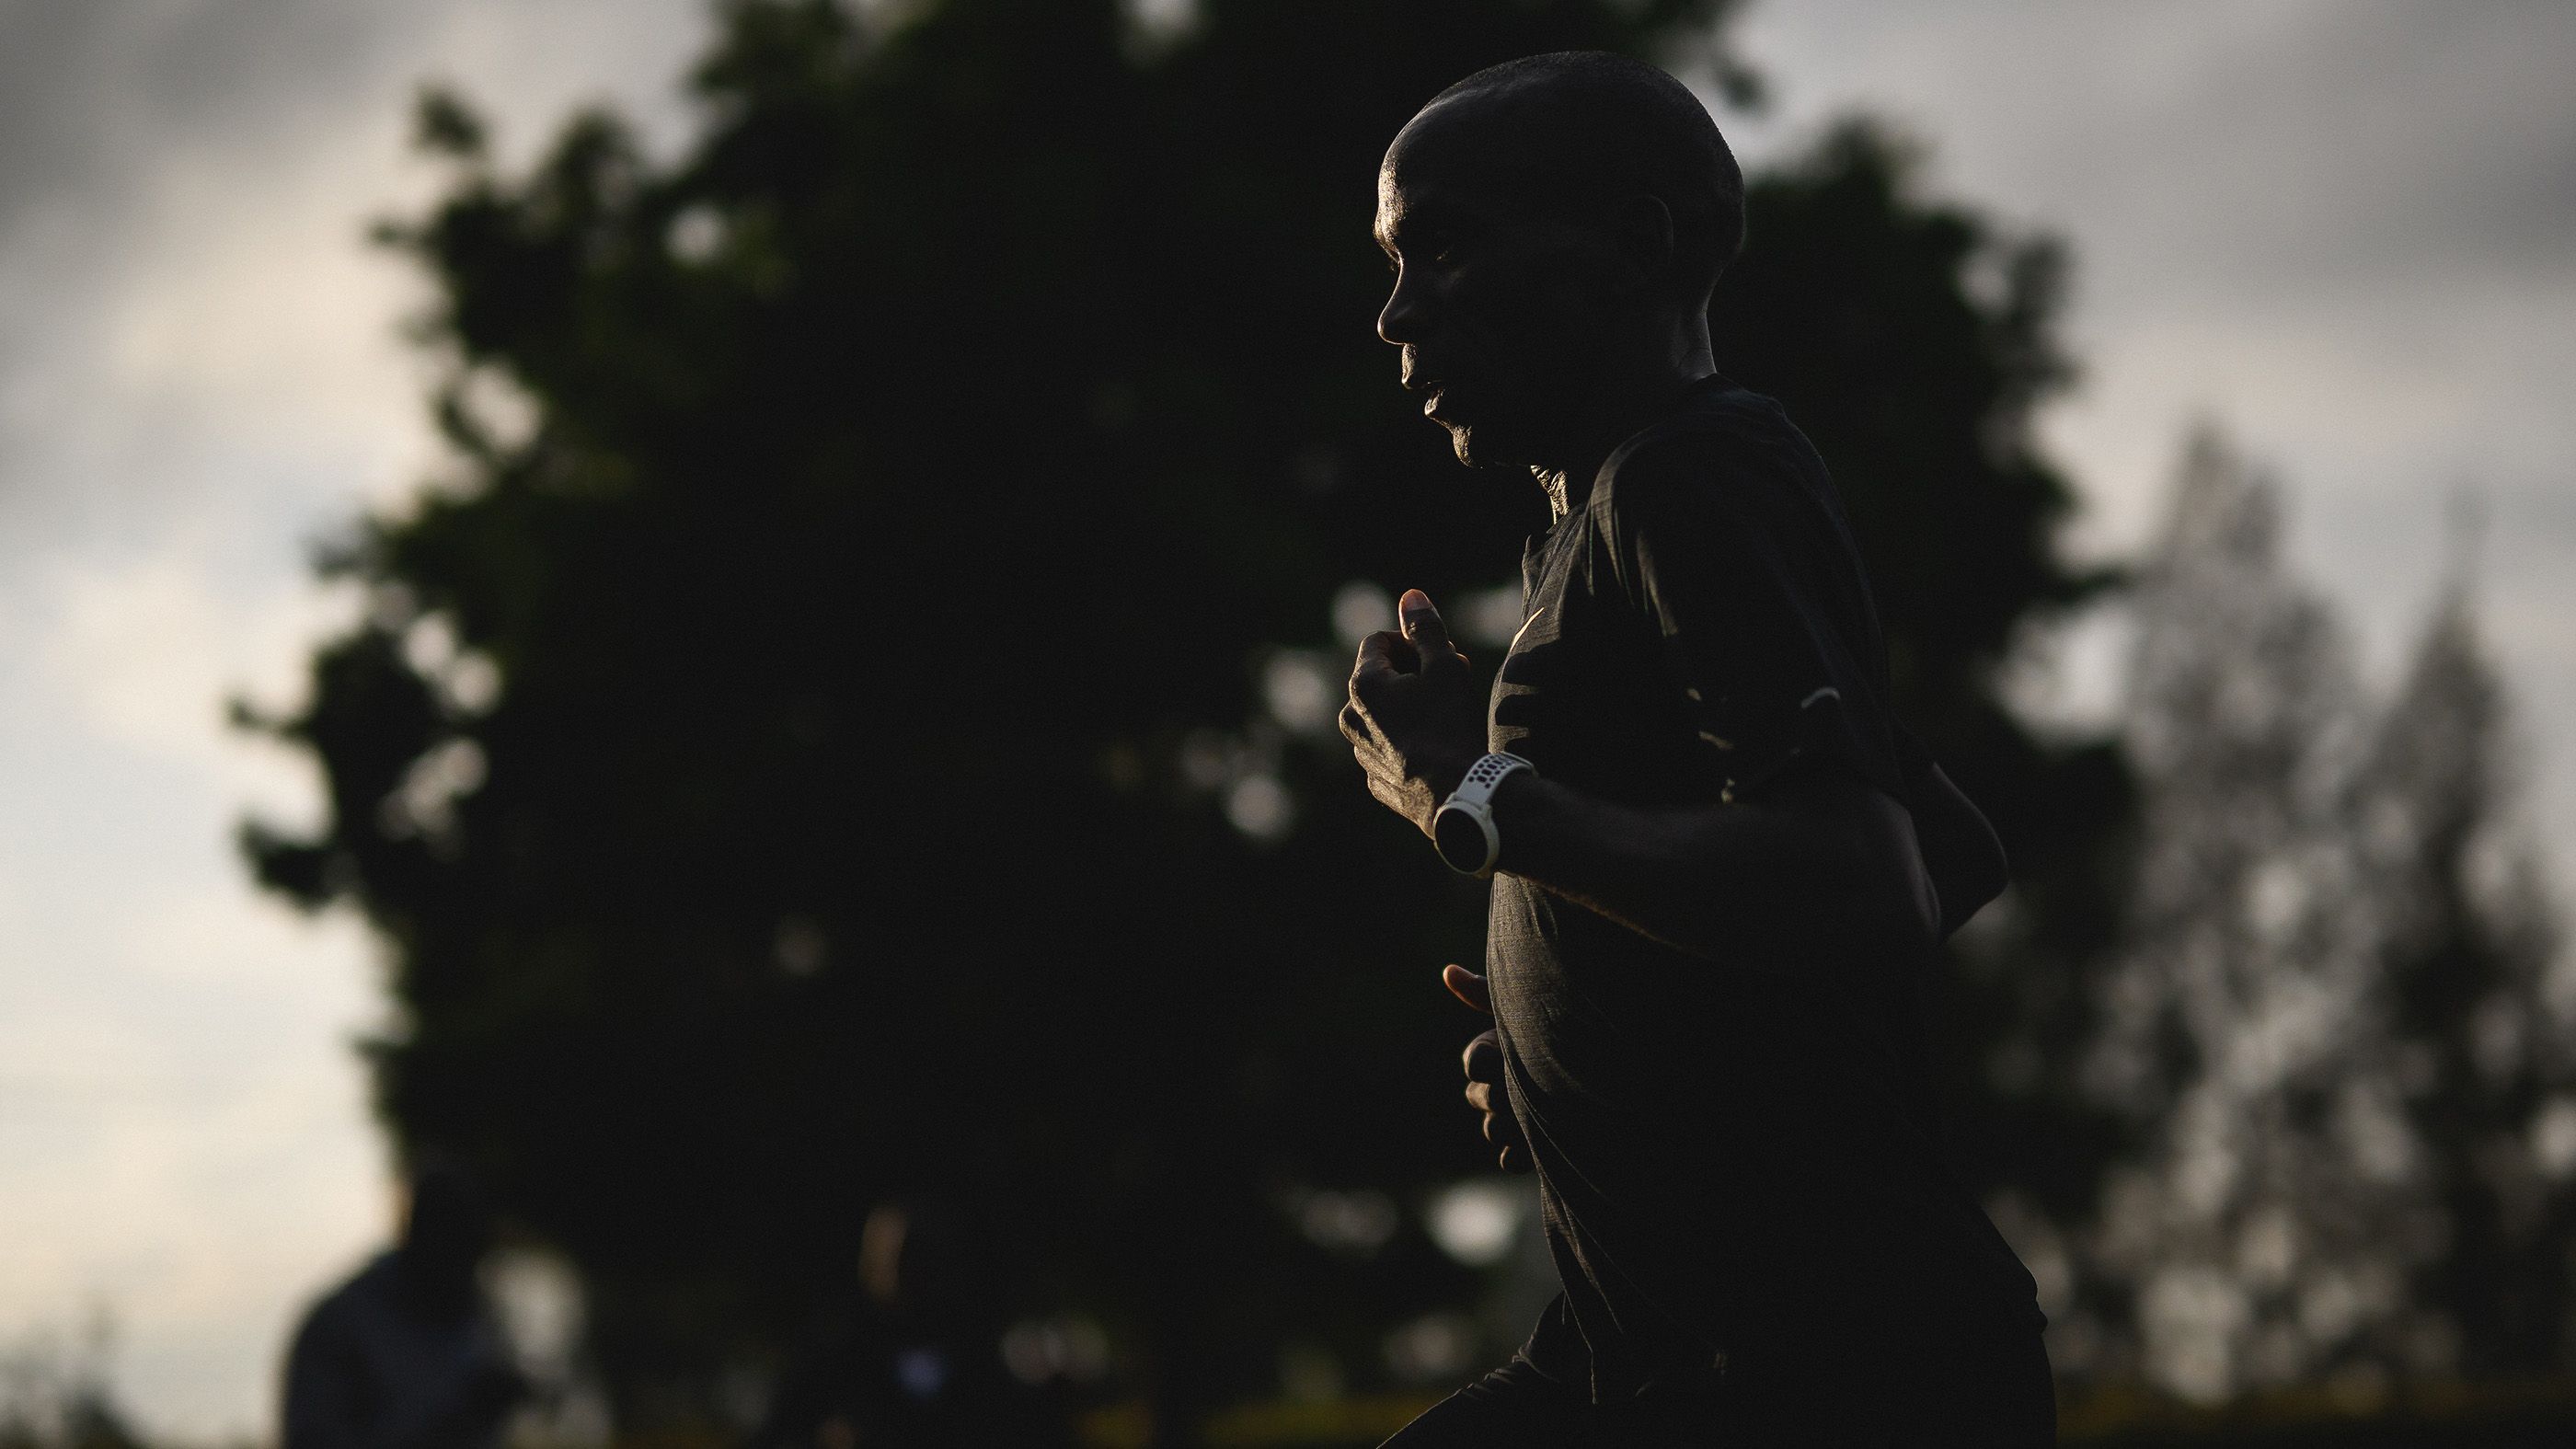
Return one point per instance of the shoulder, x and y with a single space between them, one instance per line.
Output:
1727 474
361 1295
1731 455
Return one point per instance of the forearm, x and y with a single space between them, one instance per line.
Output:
1819 860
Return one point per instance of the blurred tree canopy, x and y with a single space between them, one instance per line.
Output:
2333 1024
848 721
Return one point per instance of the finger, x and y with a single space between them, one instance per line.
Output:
1468 987
1384 652
1515 1158
1483 1059
1480 1095
1354 724
1428 633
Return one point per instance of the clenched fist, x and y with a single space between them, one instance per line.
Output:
1483 1060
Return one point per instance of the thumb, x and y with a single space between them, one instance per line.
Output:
1428 633
1468 987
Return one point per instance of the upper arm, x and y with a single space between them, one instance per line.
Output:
1762 617
1856 858
1759 611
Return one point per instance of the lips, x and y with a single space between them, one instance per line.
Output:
1436 392
1440 394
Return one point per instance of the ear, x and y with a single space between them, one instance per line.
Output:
1641 227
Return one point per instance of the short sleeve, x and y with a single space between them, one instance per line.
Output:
1745 573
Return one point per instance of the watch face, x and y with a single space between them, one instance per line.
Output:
1460 838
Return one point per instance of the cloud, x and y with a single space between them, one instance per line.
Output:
2304 145
148 651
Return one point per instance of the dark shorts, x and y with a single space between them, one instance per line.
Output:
2008 1404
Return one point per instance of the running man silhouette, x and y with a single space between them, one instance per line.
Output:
1720 868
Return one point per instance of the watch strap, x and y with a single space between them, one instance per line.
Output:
1463 828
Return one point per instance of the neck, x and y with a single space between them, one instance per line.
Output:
1628 399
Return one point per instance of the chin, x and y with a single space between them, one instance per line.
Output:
1462 441
1482 448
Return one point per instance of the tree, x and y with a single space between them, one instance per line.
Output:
2327 1032
2237 1017
827 748
58 1395
2465 964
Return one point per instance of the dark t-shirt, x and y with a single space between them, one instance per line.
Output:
1740 1173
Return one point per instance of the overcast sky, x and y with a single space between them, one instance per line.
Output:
2345 231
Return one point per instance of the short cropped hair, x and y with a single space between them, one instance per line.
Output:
1604 126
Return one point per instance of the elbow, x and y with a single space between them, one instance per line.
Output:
1959 851
1966 881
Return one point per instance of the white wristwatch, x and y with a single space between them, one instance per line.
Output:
1463 828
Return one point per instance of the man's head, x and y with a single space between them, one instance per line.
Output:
447 1228
1557 223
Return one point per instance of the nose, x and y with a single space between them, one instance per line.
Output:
1401 320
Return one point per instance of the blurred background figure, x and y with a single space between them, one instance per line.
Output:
912 1357
407 1354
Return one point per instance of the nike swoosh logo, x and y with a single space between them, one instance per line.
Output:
1524 628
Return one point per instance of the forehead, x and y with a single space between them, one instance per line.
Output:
1464 156
1404 205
